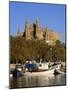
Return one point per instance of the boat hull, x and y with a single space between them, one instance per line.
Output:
46 72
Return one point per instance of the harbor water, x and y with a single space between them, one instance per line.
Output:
38 81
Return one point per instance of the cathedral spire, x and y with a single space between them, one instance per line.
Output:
37 21
46 28
27 21
18 32
26 24
37 28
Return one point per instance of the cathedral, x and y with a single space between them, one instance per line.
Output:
33 31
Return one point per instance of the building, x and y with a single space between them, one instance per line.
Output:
33 31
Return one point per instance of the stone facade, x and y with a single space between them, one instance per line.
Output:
34 31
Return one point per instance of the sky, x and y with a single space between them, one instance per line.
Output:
50 15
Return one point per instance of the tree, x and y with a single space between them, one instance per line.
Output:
22 50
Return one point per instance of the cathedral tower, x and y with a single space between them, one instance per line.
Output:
27 30
37 28
18 32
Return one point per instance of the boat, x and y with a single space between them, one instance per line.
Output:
38 73
34 68
16 71
58 72
56 66
41 69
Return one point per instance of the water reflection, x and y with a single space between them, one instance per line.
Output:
36 81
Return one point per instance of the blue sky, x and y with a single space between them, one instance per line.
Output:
50 15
